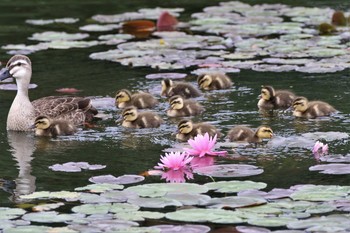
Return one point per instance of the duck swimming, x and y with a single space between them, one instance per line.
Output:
246 134
302 107
186 90
53 128
214 81
22 112
187 130
275 99
124 98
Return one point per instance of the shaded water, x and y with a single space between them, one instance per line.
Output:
25 159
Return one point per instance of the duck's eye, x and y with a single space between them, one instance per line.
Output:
18 64
263 92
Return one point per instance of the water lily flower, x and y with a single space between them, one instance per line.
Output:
174 161
319 149
178 176
202 161
203 145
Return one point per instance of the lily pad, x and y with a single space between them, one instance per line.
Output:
54 36
50 21
99 28
10 213
234 186
75 166
333 169
100 188
48 217
48 195
193 228
139 215
271 221
46 207
205 215
235 202
125 179
159 190
166 75
229 170
154 202
320 192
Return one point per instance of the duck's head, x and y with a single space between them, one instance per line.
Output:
18 67
185 126
166 84
267 92
122 96
130 114
264 132
204 81
176 102
300 104
42 122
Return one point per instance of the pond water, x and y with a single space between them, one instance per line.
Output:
285 159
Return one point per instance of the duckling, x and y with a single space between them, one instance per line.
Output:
44 126
22 112
243 133
180 107
124 98
186 90
214 81
275 99
134 119
311 109
187 130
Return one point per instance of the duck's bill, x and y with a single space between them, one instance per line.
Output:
4 73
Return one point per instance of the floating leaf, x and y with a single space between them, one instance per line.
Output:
139 215
229 170
271 221
50 21
46 207
159 190
334 168
48 217
234 186
235 202
100 188
166 75
189 199
99 28
139 28
154 202
341 222
183 228
10 213
54 36
46 195
320 192
75 166
205 215
125 179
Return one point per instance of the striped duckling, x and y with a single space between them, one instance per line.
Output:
186 90
44 126
180 107
124 98
134 119
246 134
311 109
214 81
275 99
187 130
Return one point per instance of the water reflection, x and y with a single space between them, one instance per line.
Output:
22 149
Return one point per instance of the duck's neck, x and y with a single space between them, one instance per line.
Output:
21 115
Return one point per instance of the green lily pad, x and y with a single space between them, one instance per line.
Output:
271 221
331 221
48 217
49 195
320 192
333 168
10 213
99 28
139 215
205 215
100 188
235 202
139 230
50 21
189 199
193 228
154 202
92 208
67 44
46 207
38 229
229 170
159 190
234 186
54 36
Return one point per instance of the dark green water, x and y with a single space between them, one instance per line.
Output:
132 152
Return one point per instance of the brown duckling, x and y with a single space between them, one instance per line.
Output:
246 134
124 98
134 119
180 107
53 128
214 81
311 109
186 90
275 99
187 130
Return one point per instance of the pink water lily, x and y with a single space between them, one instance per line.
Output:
174 161
319 149
203 145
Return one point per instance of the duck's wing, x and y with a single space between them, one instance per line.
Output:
74 109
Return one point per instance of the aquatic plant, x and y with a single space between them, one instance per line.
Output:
319 149
203 145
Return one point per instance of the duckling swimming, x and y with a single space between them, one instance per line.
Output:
186 90
124 98
246 134
180 107
53 128
187 130
275 99
214 81
311 109
22 112
134 119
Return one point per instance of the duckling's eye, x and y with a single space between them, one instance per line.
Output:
18 64
176 102
263 92
267 131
